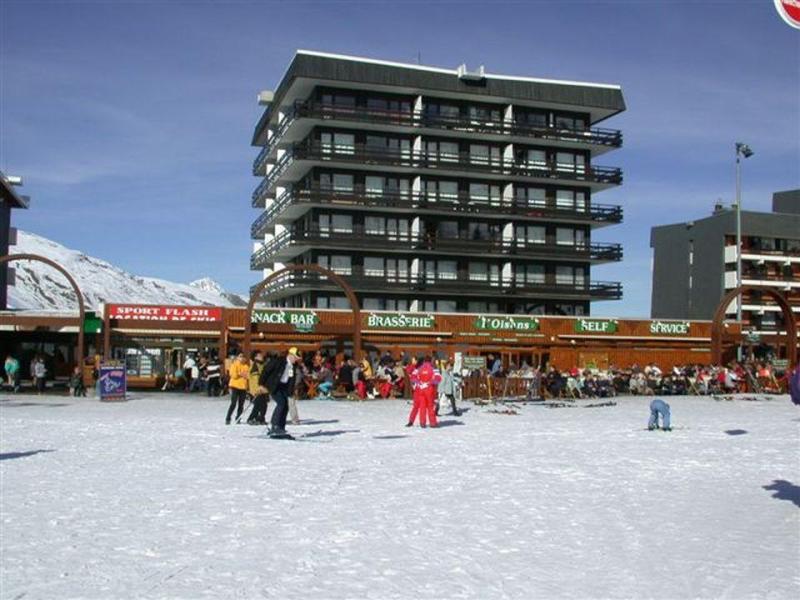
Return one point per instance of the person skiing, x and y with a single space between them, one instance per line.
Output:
424 380
260 395
659 408
278 378
238 386
12 372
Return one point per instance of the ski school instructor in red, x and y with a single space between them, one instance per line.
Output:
424 380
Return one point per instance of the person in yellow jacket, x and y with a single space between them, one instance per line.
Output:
239 374
259 394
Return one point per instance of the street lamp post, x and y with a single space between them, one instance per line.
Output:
742 150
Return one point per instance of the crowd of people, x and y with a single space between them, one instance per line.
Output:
650 380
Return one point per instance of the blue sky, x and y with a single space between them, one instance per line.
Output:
131 121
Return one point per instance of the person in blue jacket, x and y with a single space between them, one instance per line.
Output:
659 408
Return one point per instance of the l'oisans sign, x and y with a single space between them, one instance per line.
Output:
670 327
595 326
144 312
508 323
789 10
400 321
303 321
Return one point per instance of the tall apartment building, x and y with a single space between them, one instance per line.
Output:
694 263
433 189
9 200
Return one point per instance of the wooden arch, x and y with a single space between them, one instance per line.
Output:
81 307
717 326
348 291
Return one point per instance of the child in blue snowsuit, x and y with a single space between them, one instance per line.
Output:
659 407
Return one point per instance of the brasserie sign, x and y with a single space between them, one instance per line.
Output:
495 323
303 321
401 321
595 326
670 327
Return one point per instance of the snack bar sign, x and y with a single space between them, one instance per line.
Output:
143 312
401 321
486 322
670 327
303 321
595 326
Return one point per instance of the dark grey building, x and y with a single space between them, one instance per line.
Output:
434 189
9 200
694 263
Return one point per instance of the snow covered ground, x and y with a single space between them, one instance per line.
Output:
157 498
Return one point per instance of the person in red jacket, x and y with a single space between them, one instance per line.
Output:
424 380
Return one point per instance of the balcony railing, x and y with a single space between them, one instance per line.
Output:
359 237
459 283
362 154
461 123
462 203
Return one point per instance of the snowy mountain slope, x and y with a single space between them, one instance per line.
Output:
41 287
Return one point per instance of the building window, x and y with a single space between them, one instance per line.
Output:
570 200
568 161
531 234
530 196
536 159
484 193
442 151
387 105
446 305
574 123
529 274
446 191
447 230
373 266
481 114
480 307
338 100
568 236
336 223
481 154
440 269
530 118
339 143
339 264
573 276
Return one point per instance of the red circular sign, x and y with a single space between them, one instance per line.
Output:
789 10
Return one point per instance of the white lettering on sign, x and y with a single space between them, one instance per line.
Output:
670 327
400 321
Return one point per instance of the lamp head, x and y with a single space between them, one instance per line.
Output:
743 149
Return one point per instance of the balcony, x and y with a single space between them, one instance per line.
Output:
368 158
287 245
458 284
294 203
312 114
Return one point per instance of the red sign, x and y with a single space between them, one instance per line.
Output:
145 312
789 10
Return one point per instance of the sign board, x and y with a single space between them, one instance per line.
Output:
670 327
303 321
400 321
111 382
595 326
472 363
144 312
506 323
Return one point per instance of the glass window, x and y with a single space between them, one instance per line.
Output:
478 271
446 306
374 225
342 100
342 182
567 122
565 275
448 151
479 153
448 269
537 158
373 185
565 236
531 234
532 196
532 119
447 229
340 264
342 223
448 190
371 304
373 266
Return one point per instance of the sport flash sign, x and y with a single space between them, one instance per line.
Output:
141 312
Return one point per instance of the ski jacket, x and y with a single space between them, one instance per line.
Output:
271 375
425 376
253 377
239 372
39 370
